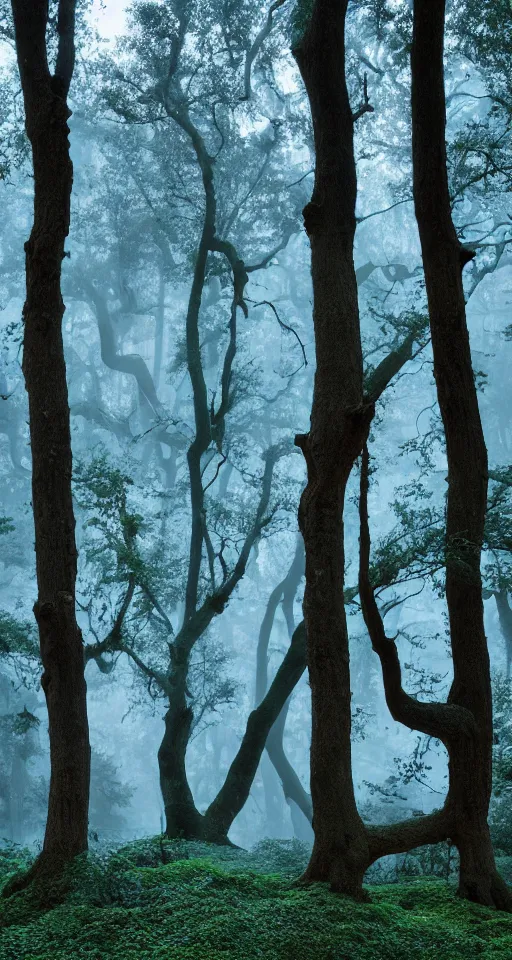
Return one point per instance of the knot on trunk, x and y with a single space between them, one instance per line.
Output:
218 602
44 610
301 441
313 215
466 255
66 598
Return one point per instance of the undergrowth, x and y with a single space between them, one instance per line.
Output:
162 900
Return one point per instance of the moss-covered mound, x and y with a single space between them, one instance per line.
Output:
133 906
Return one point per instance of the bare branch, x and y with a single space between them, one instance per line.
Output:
366 106
284 326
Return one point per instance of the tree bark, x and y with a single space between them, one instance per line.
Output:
182 819
63 682
470 757
340 422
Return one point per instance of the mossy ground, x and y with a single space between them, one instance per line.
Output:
207 904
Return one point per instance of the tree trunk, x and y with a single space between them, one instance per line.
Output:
284 593
159 327
233 795
505 618
470 757
44 369
182 819
274 806
128 363
339 427
290 781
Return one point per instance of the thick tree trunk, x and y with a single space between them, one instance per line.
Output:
339 426
44 369
182 819
470 756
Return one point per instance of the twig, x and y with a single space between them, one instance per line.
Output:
283 325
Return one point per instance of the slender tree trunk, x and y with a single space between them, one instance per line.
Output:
290 782
233 794
292 787
159 327
505 618
274 806
44 369
284 593
129 363
339 427
18 783
182 817
470 756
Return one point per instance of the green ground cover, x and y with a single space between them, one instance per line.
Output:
179 901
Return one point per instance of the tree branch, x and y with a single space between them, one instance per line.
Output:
255 47
446 722
235 790
66 46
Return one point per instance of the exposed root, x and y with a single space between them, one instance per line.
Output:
490 892
46 879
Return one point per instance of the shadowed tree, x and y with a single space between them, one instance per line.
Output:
341 415
470 750
340 421
47 113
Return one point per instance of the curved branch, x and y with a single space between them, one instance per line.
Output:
234 793
408 834
132 364
113 640
447 722
255 47
390 366
159 678
284 326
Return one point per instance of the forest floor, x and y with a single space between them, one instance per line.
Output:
154 900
